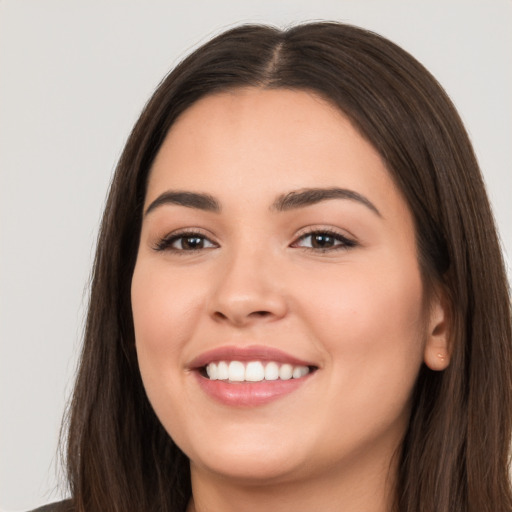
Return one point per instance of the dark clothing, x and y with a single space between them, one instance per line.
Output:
60 506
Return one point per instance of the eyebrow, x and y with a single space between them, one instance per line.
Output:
285 202
310 196
189 199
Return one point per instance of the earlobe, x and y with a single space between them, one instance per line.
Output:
436 360
438 349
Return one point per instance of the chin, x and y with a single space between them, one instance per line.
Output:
249 458
249 470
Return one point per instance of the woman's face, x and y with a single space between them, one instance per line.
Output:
274 244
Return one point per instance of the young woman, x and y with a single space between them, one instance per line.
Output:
298 298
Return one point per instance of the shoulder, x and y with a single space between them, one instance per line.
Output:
60 506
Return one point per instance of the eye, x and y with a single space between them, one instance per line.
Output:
323 241
185 242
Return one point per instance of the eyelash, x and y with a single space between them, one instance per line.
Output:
165 244
343 243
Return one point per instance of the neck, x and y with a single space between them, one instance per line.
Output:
363 487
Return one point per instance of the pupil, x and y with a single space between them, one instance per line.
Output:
322 241
193 242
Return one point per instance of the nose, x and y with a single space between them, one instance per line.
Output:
248 291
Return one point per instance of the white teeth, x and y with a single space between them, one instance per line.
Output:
254 371
271 371
286 372
211 371
236 371
298 372
222 371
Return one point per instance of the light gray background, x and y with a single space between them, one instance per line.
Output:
74 76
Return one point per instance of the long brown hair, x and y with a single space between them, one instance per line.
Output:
456 449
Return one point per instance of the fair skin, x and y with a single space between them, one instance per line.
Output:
329 280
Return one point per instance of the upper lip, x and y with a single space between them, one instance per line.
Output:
246 353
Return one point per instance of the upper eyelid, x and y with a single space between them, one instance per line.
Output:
188 231
302 232
333 234
309 230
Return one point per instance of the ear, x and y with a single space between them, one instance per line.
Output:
438 346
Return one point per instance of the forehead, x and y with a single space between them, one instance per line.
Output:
253 143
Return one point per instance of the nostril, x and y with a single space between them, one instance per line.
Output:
220 316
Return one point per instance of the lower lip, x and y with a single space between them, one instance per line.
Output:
248 394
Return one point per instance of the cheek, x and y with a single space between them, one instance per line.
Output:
371 326
164 314
372 306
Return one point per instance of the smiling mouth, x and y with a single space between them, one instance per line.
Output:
250 376
254 371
